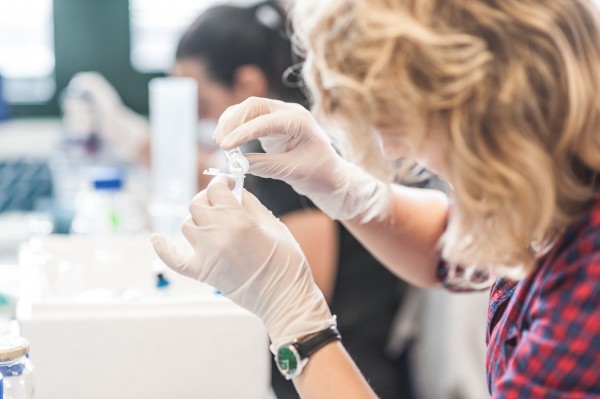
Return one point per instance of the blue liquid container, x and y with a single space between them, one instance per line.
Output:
3 104
16 368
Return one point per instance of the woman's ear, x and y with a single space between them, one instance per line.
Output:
249 81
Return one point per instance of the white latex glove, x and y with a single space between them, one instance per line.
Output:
248 254
124 130
298 152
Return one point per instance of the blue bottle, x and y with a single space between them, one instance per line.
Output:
3 103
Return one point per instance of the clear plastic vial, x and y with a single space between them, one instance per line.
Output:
237 167
16 368
105 206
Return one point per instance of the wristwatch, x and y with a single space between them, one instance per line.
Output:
293 356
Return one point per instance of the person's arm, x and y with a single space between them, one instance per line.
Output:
244 251
398 225
331 373
404 244
406 241
317 235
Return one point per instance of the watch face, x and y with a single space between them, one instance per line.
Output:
287 361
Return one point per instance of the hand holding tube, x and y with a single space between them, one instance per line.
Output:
248 254
298 152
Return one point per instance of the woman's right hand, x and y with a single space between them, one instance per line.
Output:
251 256
299 153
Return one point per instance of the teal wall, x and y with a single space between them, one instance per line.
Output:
93 35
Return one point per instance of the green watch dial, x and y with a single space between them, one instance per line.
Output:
286 360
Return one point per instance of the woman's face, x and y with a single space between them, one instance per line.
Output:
430 153
213 97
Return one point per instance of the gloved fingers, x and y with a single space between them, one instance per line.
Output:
200 198
274 125
263 217
197 208
218 192
190 230
255 207
215 204
210 222
169 254
239 114
275 166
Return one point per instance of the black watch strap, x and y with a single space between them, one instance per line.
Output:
309 344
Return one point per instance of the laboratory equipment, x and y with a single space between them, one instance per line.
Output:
160 271
16 368
77 150
80 120
237 166
105 206
120 337
3 104
91 104
173 122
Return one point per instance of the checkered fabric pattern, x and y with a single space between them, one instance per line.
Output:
544 331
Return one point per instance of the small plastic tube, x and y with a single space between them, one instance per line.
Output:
236 162
237 166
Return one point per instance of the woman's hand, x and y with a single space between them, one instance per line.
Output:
248 254
299 153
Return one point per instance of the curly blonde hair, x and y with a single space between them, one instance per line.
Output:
515 85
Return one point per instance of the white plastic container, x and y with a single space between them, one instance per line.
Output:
103 321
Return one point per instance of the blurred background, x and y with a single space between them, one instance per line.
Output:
43 43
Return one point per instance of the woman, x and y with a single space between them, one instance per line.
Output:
497 97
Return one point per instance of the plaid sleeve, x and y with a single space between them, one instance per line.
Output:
458 278
558 355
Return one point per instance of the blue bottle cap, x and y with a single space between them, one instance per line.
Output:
107 178
161 281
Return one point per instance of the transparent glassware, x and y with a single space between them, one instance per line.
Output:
237 166
16 368
105 206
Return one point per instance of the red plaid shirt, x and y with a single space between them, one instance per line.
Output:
543 332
